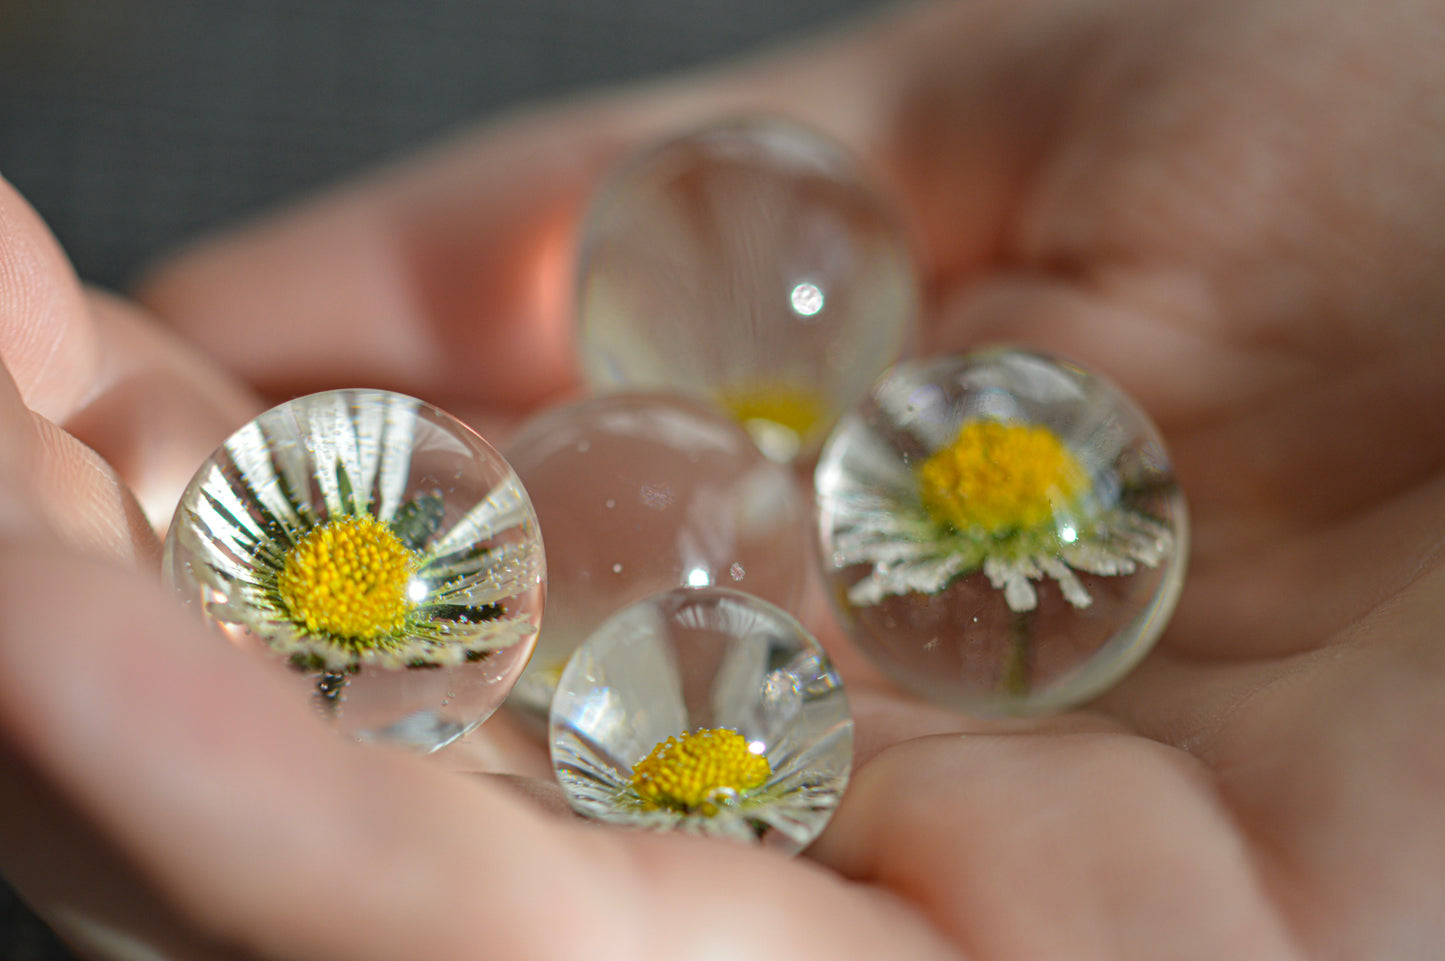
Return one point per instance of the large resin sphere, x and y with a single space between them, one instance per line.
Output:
375 548
638 493
1002 531
704 710
750 263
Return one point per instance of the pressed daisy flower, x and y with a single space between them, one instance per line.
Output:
1012 468
1009 499
703 710
363 534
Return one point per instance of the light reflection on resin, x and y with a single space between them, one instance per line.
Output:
707 711
750 263
640 493
1001 531
376 547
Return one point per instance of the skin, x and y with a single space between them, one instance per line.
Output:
1235 210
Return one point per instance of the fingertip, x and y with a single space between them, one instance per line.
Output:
51 485
45 337
157 409
85 504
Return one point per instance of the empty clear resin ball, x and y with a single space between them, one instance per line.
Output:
1002 531
752 263
704 710
376 547
639 493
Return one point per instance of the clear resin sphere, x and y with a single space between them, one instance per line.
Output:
704 710
639 493
750 263
378 549
1001 531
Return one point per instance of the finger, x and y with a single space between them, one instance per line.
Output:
17 514
45 341
175 769
1089 845
1150 346
388 287
883 719
51 485
1329 761
116 400
156 409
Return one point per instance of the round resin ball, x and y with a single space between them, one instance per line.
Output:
377 550
1001 531
750 263
639 493
704 710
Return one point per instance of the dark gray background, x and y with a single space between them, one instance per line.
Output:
131 124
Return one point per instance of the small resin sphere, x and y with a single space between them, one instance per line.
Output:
750 263
704 710
376 547
638 493
1001 531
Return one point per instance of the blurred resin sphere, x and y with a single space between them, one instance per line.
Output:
1002 531
750 263
639 493
378 549
704 710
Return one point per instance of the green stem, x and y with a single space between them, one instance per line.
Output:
1015 681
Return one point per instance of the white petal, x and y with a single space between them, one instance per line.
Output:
332 435
1019 594
869 591
452 649
368 428
1097 557
505 572
251 452
926 576
224 517
503 508
1012 577
1148 541
932 576
394 467
1073 591
879 550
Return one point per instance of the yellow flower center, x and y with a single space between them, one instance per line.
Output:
997 477
690 773
799 411
348 578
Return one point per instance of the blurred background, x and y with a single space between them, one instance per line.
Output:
131 125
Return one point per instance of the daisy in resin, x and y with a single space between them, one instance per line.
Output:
708 711
710 781
323 529
995 493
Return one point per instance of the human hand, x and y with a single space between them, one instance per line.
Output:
1230 209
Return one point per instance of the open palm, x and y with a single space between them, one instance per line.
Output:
1235 210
